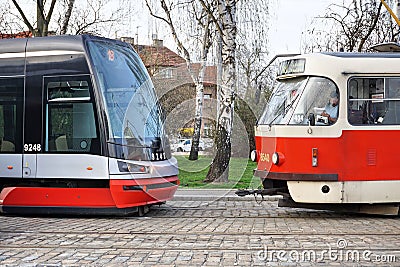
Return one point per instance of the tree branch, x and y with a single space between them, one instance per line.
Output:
154 15
370 28
26 21
53 3
211 13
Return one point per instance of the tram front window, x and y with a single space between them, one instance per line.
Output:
294 100
132 108
280 106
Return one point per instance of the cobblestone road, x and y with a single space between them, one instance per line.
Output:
194 233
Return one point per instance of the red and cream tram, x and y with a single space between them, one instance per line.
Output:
81 129
347 160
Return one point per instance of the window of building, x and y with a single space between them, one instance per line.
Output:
166 73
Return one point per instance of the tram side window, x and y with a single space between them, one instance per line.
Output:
70 119
374 101
11 105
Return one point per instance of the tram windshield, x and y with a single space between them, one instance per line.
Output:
293 100
132 108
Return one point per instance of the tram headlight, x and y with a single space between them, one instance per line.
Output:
132 168
278 158
275 158
135 168
253 155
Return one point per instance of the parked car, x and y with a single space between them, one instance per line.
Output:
186 144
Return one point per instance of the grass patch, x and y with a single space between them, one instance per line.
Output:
193 173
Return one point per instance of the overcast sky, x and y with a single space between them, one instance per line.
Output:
289 19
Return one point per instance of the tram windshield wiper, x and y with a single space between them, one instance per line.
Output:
285 111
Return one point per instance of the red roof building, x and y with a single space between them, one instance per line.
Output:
25 34
175 87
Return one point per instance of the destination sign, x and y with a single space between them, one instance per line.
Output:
292 66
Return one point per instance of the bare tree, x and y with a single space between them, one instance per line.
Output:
8 22
203 20
64 16
252 43
351 28
43 17
252 56
93 16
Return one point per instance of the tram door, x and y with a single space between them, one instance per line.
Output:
32 128
11 126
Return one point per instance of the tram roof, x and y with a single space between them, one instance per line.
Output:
48 43
331 65
362 55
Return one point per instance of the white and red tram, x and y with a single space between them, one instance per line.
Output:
351 163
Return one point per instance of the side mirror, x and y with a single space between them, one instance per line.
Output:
311 119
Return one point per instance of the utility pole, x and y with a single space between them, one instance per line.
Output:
394 16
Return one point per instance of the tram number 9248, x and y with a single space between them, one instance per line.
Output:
32 147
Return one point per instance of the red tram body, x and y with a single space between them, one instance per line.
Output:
349 164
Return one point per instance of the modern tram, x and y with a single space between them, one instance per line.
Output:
347 160
81 129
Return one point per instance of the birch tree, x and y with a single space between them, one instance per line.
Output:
225 21
203 20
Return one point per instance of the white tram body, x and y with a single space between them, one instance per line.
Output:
81 130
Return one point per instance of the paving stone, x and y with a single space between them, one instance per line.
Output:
221 232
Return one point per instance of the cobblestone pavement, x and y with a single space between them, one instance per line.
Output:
210 233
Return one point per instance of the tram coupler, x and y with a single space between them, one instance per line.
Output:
261 192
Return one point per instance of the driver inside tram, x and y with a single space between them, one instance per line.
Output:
331 109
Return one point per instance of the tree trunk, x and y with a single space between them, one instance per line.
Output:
39 18
194 151
219 169
67 17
